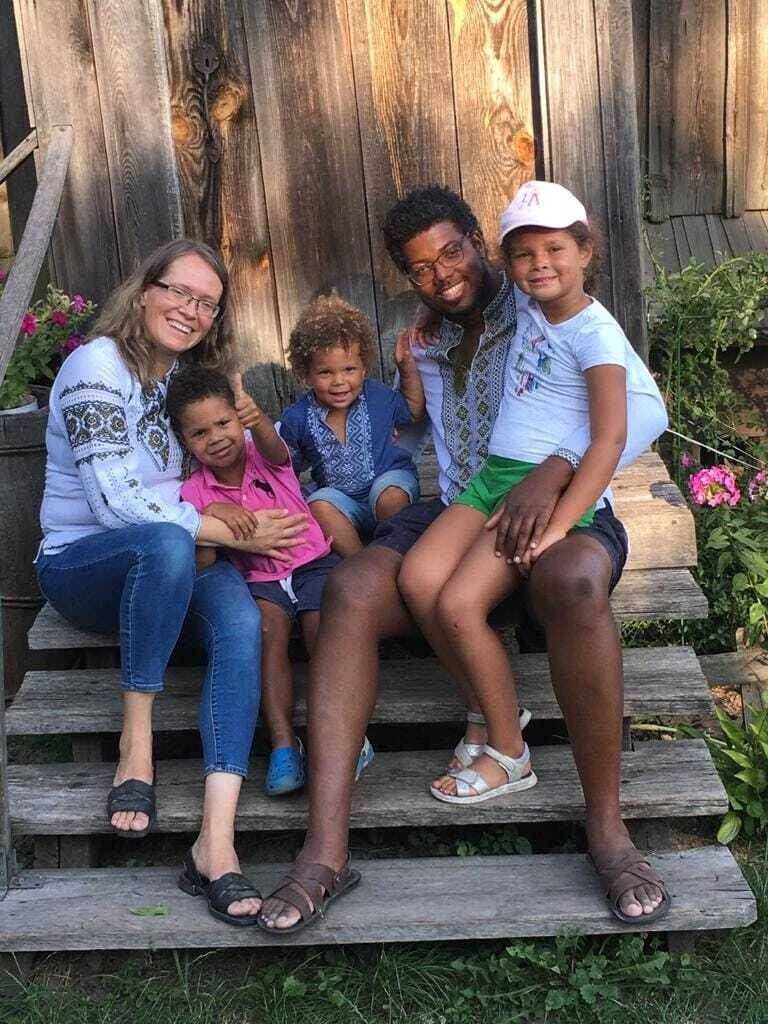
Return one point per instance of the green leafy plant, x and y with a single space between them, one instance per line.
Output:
697 315
50 329
741 758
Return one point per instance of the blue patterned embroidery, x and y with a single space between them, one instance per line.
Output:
468 418
348 467
153 428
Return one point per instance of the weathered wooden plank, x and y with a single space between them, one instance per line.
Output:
684 251
736 233
718 238
657 681
660 118
661 239
303 84
641 18
745 667
491 65
34 242
18 155
129 53
65 91
737 102
699 240
422 899
698 98
757 230
216 141
757 90
618 113
401 56
658 780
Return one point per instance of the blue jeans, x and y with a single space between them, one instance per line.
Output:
361 511
141 580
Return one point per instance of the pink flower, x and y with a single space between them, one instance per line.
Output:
686 460
29 324
714 486
73 341
758 486
3 275
78 303
58 316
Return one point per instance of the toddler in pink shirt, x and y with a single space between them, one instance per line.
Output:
238 477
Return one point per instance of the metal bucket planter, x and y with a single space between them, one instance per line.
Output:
22 477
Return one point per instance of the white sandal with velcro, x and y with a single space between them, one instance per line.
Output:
465 753
471 787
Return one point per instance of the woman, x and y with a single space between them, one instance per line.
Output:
119 547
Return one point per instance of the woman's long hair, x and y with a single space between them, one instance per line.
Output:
122 317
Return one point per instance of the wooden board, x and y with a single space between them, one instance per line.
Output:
303 87
401 58
737 102
84 245
657 681
658 780
129 52
216 142
401 900
757 152
660 118
492 87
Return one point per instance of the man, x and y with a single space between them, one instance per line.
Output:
434 238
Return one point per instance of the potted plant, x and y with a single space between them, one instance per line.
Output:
50 329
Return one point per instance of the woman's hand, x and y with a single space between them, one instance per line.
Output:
241 521
276 531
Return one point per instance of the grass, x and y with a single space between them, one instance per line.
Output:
572 979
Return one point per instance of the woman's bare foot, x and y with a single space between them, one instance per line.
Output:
134 764
214 859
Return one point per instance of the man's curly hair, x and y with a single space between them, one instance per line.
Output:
419 211
330 322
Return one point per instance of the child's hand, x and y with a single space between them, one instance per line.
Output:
551 536
423 331
249 414
403 354
240 521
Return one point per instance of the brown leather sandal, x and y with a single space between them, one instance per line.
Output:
309 888
628 871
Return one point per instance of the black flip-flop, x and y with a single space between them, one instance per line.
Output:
220 892
132 795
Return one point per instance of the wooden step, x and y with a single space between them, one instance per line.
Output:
659 779
643 594
657 681
408 900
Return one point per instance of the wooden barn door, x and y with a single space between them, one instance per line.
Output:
281 130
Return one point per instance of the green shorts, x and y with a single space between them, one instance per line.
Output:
495 480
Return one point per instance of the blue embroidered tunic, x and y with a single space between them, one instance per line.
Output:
369 450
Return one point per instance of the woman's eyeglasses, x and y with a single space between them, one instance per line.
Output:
186 299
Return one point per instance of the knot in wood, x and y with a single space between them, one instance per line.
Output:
227 101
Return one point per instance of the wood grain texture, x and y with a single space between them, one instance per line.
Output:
129 51
64 90
660 118
303 86
421 899
491 64
215 134
641 19
737 102
657 681
401 59
658 780
18 155
757 150
699 239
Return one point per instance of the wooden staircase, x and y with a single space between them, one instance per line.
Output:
64 903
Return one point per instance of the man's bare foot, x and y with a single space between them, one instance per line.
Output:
642 899
133 765
216 859
277 913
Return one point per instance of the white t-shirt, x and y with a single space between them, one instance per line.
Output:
545 391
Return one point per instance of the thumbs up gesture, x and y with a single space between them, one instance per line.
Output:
249 414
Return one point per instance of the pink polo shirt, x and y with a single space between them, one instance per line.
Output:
263 486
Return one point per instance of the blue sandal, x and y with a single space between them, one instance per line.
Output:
286 771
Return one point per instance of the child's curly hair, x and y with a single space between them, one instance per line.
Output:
328 322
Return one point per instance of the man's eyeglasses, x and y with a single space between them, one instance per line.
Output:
201 306
451 256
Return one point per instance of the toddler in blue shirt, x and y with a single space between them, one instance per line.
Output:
342 429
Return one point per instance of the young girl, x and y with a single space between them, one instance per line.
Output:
238 477
570 367
343 426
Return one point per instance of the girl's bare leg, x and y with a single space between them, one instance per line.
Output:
479 583
276 675
334 524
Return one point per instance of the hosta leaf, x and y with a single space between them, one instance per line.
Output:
730 827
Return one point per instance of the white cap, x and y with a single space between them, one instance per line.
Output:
541 204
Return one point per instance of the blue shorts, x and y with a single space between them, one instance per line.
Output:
300 592
361 511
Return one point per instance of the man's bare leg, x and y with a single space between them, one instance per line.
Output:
361 605
569 591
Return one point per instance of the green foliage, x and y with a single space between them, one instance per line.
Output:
53 326
490 840
697 315
741 758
